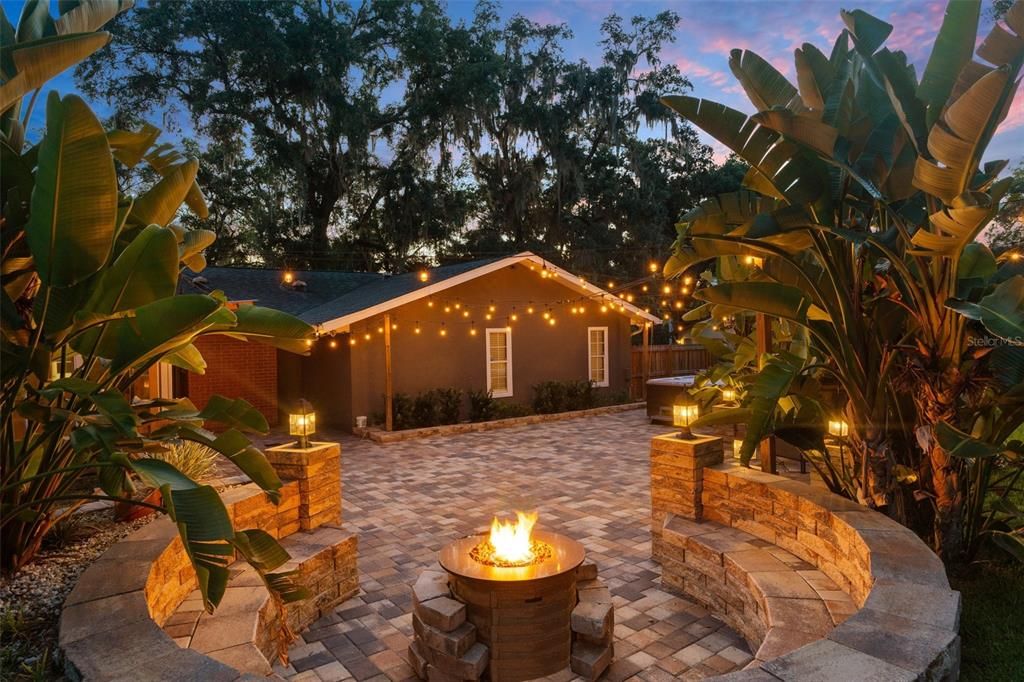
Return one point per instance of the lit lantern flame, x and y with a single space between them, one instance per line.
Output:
511 541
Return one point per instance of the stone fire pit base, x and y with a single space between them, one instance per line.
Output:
445 646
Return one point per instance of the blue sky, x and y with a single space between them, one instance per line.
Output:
709 29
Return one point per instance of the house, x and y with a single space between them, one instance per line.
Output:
501 324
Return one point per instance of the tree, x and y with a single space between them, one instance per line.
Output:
89 306
323 95
864 199
1007 228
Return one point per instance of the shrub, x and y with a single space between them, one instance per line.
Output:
425 410
401 412
562 396
509 410
195 460
482 406
449 405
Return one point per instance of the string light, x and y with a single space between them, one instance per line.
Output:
611 285
666 289
380 329
430 304
492 308
488 316
457 305
366 336
333 343
529 309
472 329
447 308
309 343
653 266
629 297
424 275
551 322
352 342
547 315
513 316
664 303
684 290
687 280
644 288
604 308
416 329
443 332
465 313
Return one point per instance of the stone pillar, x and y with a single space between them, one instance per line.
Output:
318 471
677 473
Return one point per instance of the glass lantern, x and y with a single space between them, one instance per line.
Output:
838 428
302 423
683 415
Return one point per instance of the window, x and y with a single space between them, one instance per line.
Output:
499 362
598 353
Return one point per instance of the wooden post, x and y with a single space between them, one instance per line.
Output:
388 387
764 345
645 370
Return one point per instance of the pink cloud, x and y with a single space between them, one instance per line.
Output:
693 69
1014 117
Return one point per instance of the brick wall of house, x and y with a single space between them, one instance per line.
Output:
237 369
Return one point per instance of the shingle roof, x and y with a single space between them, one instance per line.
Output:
327 295
264 286
384 290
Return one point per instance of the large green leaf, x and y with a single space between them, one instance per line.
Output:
159 327
953 48
73 220
130 146
273 327
763 396
242 453
35 21
146 271
90 15
959 444
770 298
164 158
792 175
237 413
959 142
160 204
40 60
764 85
869 32
976 267
1002 311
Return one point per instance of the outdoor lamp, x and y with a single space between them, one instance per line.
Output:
754 261
302 424
684 414
729 394
737 447
838 428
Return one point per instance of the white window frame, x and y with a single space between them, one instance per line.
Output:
507 393
591 356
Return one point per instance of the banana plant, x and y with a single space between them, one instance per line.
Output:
862 206
89 306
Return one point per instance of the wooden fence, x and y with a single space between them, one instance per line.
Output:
666 361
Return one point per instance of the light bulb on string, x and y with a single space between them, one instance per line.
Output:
465 313
472 328
416 329
644 288
492 308
430 304
444 331
351 342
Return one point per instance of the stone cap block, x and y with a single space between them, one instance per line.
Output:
430 585
897 640
828 660
292 454
443 613
934 606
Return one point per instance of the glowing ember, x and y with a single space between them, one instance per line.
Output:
510 544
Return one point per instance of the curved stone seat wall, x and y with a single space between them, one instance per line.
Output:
112 624
906 621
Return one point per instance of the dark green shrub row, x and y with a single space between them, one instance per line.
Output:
562 396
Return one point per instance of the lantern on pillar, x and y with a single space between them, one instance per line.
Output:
684 413
302 423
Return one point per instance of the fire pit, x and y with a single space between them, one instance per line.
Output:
517 588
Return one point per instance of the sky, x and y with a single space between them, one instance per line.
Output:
709 29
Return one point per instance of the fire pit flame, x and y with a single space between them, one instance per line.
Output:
510 544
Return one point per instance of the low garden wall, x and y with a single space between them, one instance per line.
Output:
384 437
113 622
768 554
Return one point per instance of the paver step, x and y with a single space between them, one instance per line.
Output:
780 601
245 631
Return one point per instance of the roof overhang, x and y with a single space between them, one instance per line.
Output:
618 304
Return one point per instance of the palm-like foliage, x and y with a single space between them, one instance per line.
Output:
865 195
89 305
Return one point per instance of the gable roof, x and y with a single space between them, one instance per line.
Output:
265 287
332 301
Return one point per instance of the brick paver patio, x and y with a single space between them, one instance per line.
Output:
588 478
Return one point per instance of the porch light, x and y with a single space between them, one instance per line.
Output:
683 414
302 424
288 277
838 428
729 394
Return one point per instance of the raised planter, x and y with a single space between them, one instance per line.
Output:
782 562
384 437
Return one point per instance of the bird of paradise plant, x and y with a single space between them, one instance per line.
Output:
864 200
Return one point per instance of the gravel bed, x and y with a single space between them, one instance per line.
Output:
31 600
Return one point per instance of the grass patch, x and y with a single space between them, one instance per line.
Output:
991 626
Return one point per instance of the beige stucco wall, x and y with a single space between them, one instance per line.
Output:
540 352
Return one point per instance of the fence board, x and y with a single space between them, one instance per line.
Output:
666 361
